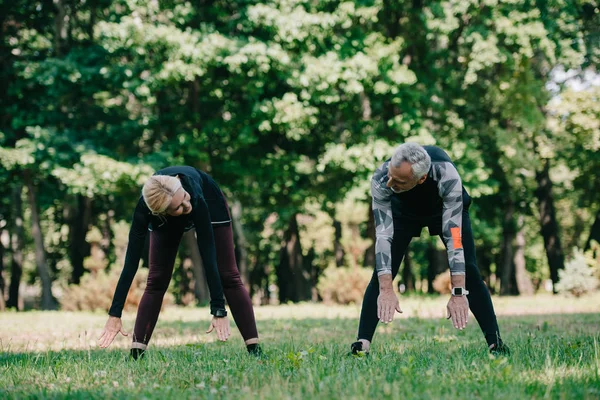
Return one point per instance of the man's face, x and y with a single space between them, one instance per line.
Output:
402 179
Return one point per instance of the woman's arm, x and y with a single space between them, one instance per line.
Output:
137 237
206 245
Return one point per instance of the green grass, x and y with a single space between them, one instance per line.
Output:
555 343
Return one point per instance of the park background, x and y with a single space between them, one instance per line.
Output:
291 105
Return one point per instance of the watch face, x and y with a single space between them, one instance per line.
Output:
458 291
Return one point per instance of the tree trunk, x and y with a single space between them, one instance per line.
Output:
338 249
78 247
578 228
93 6
431 258
507 270
369 260
549 226
594 233
16 271
16 243
438 263
309 267
484 262
184 278
107 237
47 301
365 104
284 276
2 283
389 16
241 245
407 276
292 278
200 285
259 281
6 74
60 27
524 284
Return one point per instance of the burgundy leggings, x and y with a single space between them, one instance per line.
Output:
163 251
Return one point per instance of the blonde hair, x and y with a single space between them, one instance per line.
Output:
158 191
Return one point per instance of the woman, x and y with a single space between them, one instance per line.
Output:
175 200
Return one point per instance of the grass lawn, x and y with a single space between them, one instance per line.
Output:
555 343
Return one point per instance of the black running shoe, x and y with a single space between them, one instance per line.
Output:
255 350
499 349
137 353
356 349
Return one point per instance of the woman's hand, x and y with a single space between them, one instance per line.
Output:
221 324
112 327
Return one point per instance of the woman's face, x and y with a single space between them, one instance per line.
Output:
180 204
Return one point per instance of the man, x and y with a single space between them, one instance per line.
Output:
420 187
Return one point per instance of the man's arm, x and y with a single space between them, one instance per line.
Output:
384 224
450 190
387 302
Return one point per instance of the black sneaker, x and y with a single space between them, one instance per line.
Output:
356 349
256 350
137 353
499 349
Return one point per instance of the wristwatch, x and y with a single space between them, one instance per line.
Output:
459 291
219 313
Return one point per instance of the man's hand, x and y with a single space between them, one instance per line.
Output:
387 302
458 310
111 329
221 325
458 306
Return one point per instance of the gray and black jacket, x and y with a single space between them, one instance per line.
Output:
440 198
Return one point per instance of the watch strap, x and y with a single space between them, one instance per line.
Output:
219 313
462 290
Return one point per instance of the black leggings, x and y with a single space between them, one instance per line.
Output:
480 301
163 251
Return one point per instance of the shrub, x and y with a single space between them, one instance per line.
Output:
96 290
578 276
442 283
344 285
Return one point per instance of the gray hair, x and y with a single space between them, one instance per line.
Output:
415 155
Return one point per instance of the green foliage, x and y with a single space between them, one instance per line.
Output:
578 277
344 285
293 103
97 175
575 123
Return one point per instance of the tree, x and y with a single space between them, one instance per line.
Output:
23 159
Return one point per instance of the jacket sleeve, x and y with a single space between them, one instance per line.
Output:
137 237
206 245
450 190
384 221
